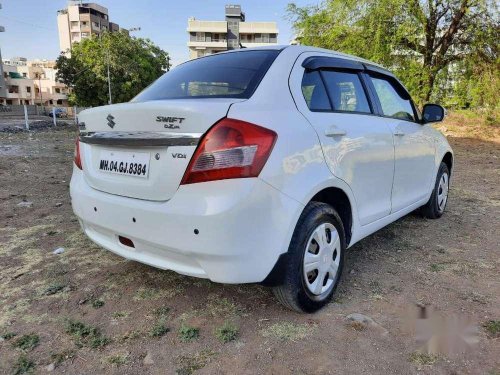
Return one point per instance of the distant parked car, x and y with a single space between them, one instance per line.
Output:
60 112
259 166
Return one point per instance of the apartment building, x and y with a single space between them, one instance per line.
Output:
81 20
207 37
32 82
19 89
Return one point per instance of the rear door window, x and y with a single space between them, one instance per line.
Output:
346 91
226 75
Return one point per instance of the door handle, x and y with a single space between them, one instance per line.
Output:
335 132
399 133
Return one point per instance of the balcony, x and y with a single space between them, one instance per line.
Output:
255 44
207 26
258 27
214 43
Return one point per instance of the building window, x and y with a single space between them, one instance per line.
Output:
58 90
59 102
96 24
85 35
200 37
28 89
25 75
265 38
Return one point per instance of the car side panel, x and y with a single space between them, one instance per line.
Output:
363 157
297 164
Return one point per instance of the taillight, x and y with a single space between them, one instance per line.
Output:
230 149
78 158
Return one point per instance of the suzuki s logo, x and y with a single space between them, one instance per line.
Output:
111 123
171 122
179 156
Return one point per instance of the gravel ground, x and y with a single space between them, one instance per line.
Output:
36 123
87 311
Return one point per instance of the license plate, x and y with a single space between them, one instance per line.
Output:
125 163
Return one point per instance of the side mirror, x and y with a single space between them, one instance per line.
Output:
433 113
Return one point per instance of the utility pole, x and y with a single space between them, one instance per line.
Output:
40 89
109 82
108 63
3 89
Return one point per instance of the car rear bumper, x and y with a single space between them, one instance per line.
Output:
243 226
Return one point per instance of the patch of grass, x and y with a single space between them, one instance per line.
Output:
492 327
8 335
436 267
188 364
53 289
227 332
218 306
27 342
162 311
97 303
375 287
117 360
130 335
158 330
23 366
86 335
187 333
422 359
23 238
287 331
145 294
59 358
120 314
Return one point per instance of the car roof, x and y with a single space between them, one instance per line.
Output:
299 49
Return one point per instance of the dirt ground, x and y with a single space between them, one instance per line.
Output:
87 311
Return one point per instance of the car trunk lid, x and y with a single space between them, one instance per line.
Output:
141 150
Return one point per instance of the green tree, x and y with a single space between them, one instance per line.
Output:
133 64
419 39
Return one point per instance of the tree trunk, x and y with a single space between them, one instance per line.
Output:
430 84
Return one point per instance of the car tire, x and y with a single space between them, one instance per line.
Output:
323 260
436 205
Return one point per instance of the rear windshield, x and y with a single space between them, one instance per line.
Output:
227 75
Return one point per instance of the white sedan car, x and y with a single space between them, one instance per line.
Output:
259 166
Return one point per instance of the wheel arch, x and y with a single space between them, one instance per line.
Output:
448 160
339 200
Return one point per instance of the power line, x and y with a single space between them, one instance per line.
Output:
27 23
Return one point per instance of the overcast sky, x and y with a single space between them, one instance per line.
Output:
31 25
